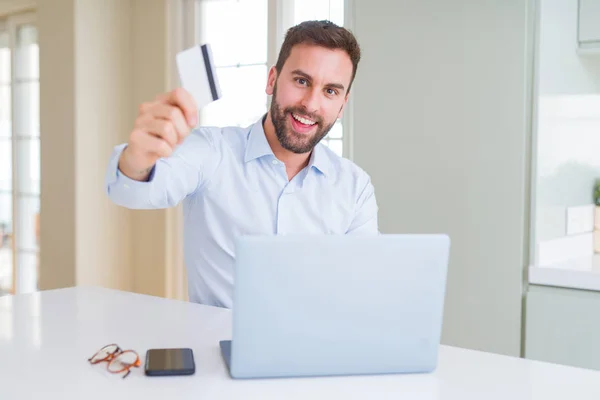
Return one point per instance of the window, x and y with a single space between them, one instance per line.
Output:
19 154
305 10
241 58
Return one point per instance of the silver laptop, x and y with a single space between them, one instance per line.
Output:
337 305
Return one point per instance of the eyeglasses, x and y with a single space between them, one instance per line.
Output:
118 360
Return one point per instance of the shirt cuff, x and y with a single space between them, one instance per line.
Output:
123 190
116 176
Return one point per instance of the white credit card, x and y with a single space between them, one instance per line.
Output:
197 74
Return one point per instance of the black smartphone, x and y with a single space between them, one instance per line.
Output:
169 362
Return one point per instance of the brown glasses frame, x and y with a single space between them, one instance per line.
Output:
110 357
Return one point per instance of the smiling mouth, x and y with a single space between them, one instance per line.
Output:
302 124
303 120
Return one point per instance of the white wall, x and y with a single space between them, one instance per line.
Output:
568 143
149 63
441 125
85 107
99 59
104 112
56 26
8 7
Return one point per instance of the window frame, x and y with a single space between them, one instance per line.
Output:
10 23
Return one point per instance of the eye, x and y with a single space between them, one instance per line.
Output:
301 81
332 92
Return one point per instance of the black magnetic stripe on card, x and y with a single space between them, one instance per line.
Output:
209 72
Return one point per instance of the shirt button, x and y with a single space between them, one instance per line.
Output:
126 186
275 162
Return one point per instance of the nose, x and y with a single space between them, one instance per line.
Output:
311 100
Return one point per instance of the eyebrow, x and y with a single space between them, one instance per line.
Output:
307 76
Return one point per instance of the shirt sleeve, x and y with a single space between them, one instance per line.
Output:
365 218
186 171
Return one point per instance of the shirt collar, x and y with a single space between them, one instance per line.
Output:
319 159
258 146
257 142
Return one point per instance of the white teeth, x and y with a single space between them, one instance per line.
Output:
303 120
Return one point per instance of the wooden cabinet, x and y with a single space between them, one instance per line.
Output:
562 326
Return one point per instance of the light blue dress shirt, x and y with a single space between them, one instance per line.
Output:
232 184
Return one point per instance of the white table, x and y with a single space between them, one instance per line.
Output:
46 338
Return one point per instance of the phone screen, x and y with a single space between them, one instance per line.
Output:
170 360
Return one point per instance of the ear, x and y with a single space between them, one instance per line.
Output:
271 81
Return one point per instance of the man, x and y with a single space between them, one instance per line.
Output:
273 177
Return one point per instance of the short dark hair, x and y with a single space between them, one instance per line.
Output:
320 33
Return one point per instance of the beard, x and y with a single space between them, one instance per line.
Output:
288 138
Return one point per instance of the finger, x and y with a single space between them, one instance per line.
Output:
144 107
184 100
163 129
173 114
163 110
149 143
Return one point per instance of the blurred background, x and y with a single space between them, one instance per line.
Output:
476 118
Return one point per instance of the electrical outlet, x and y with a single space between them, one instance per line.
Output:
580 219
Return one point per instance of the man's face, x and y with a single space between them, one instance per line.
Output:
309 95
